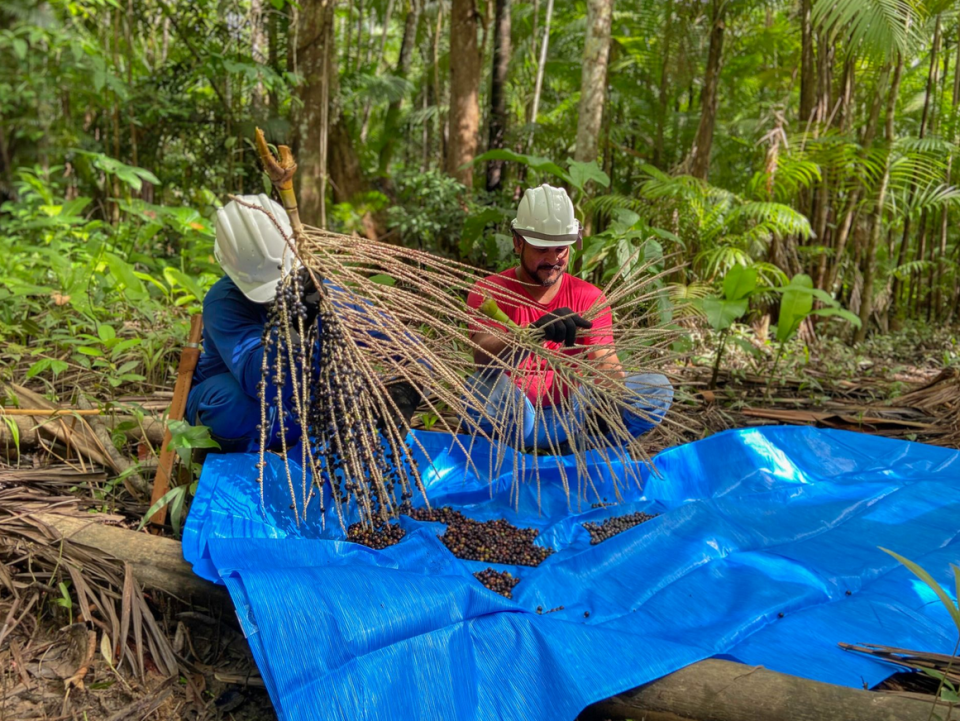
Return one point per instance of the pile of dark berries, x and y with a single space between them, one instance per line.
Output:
378 538
501 582
600 532
496 541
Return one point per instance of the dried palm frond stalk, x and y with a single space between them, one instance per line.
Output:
391 314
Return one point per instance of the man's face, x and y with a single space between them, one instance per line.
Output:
544 265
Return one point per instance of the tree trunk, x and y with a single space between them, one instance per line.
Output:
945 212
931 88
870 255
258 49
593 80
273 54
699 159
317 60
658 151
808 68
464 90
403 69
498 95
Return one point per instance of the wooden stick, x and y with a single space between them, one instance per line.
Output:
48 411
188 362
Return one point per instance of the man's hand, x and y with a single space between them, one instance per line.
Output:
561 325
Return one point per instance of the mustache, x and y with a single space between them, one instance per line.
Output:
550 266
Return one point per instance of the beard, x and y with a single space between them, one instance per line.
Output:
545 274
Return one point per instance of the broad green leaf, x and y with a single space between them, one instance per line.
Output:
920 573
124 274
39 367
840 313
796 304
543 165
721 313
87 350
383 279
106 332
176 277
739 282
581 173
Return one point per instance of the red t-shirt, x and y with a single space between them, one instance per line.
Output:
578 295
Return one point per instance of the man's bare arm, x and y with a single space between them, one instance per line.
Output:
490 347
607 361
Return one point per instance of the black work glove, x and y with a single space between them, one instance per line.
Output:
311 298
407 399
561 325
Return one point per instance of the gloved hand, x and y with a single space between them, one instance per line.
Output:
407 399
560 326
311 298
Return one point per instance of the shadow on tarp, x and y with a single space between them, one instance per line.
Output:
765 552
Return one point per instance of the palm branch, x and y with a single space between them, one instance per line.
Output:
417 329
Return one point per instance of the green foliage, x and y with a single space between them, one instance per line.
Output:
183 439
428 213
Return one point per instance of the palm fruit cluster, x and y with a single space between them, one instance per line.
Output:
600 532
501 582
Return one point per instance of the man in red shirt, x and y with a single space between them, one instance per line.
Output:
540 293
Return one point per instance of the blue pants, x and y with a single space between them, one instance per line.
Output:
500 397
232 416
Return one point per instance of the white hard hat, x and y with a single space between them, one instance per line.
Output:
545 218
250 248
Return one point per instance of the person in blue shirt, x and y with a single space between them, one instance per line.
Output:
254 256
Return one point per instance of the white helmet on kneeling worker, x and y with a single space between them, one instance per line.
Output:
545 218
250 247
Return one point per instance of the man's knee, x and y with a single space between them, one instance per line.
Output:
231 415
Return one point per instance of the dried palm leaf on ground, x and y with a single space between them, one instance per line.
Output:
391 314
103 593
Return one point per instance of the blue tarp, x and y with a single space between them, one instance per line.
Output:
765 551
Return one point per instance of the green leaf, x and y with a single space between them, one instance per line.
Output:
383 279
106 332
88 350
39 367
581 173
934 586
20 48
475 224
796 304
543 165
176 277
183 435
163 501
839 312
721 313
124 274
739 282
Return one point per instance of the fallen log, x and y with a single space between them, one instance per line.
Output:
157 561
152 429
711 690
715 690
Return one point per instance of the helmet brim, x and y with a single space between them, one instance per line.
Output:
541 243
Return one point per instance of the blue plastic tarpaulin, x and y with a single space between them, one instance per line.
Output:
765 551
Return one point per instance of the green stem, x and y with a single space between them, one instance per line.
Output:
716 365
776 363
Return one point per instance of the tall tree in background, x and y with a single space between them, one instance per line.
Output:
498 94
464 90
403 69
593 82
698 162
317 63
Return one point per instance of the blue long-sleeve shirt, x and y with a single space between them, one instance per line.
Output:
232 329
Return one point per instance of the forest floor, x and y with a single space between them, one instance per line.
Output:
64 608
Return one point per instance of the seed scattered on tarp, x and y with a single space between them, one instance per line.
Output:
600 532
377 538
501 582
496 541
